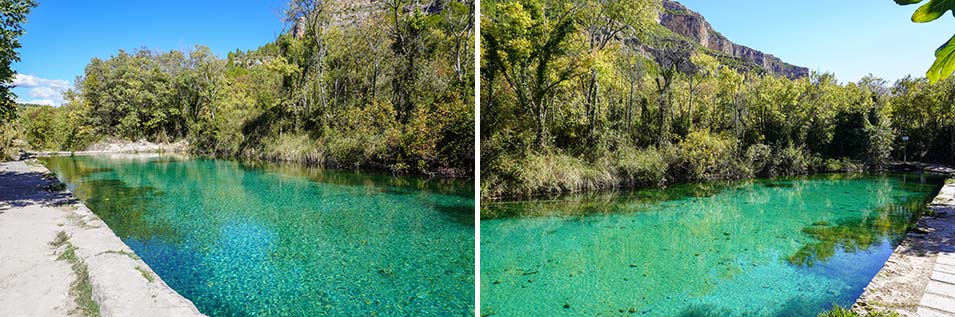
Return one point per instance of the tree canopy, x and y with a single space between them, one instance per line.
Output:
387 86
13 14
573 101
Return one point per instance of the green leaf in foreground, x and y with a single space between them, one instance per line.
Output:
944 62
931 11
907 2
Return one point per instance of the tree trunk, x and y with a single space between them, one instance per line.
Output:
662 118
595 88
689 123
630 109
541 124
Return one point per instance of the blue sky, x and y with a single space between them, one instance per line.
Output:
63 35
850 38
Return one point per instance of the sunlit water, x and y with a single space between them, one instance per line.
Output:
789 247
242 240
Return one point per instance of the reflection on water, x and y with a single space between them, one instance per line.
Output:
250 238
788 247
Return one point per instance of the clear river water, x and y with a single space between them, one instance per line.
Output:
785 247
243 239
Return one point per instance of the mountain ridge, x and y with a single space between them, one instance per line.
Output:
693 26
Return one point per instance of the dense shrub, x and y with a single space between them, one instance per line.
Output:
293 147
641 167
505 178
760 159
791 160
561 173
354 149
842 166
705 156
43 128
10 145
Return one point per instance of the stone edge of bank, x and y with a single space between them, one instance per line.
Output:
907 283
122 284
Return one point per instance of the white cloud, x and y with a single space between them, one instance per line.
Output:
30 81
44 91
47 102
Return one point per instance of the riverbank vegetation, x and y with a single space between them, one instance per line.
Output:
583 96
380 84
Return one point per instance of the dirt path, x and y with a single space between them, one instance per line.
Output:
919 277
58 259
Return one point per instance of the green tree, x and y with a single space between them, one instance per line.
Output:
603 21
13 14
528 44
352 85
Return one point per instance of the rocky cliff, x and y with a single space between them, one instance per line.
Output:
693 26
356 12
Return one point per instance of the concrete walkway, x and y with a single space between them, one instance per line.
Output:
938 299
919 277
54 253
939 296
32 281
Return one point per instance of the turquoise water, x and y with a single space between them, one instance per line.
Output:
788 247
264 239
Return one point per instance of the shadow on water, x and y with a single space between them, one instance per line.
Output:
73 169
779 185
122 206
890 222
375 183
603 203
705 310
460 213
382 182
125 208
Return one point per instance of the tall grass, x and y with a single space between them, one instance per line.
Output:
559 173
700 156
294 148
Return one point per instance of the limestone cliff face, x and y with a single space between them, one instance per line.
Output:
357 12
683 21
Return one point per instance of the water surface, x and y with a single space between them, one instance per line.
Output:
790 247
243 239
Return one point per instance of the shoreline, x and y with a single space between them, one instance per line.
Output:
894 167
918 279
183 147
51 233
930 169
382 169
